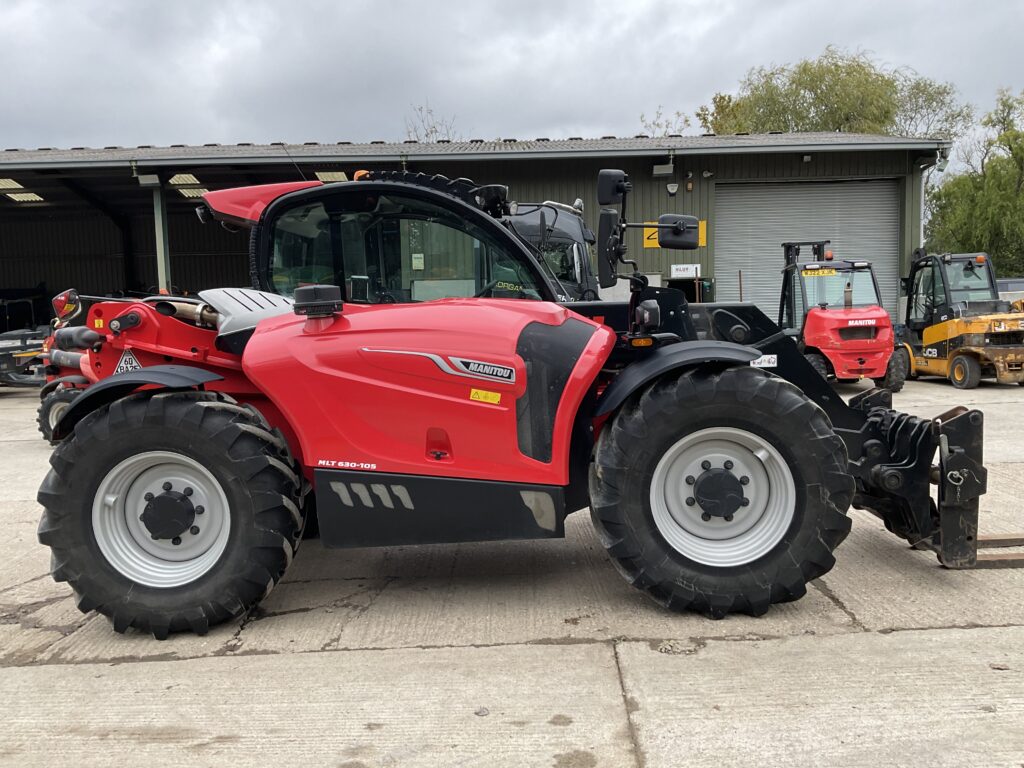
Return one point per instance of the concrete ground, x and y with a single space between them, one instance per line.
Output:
528 654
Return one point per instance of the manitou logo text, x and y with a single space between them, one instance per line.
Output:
864 321
485 370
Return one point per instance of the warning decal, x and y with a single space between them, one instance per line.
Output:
128 362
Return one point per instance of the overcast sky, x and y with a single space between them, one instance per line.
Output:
99 73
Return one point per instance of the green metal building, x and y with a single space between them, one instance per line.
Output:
120 219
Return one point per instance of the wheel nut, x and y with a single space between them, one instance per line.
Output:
705 465
690 501
148 497
690 480
194 530
728 518
728 464
745 503
200 509
167 486
705 516
187 491
176 540
744 480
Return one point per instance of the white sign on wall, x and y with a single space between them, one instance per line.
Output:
684 271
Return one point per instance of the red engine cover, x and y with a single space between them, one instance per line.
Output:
857 341
426 388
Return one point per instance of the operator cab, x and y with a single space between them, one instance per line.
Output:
392 244
564 243
824 283
951 285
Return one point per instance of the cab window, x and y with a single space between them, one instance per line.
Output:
922 296
384 249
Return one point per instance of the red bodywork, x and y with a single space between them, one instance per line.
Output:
857 341
365 390
244 205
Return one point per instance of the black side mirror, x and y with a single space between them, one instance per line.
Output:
610 186
678 232
607 247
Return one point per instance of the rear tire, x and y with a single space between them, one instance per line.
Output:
231 549
819 364
52 408
797 483
964 372
896 371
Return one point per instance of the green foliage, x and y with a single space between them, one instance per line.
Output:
982 209
838 91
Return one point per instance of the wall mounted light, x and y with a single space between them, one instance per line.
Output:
672 189
807 158
706 174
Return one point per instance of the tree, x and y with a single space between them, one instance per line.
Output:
982 209
838 91
426 126
664 125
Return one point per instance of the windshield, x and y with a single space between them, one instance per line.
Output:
969 281
387 249
826 286
564 231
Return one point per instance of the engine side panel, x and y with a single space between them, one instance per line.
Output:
431 388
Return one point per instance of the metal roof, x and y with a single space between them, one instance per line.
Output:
476 149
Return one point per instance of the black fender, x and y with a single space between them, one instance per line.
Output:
76 382
121 384
684 354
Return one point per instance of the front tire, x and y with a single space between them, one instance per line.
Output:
170 511
653 491
964 372
896 371
819 364
52 408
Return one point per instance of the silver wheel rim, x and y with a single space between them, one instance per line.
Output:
56 412
755 529
126 542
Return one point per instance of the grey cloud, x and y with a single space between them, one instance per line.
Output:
97 73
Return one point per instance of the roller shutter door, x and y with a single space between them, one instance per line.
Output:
751 221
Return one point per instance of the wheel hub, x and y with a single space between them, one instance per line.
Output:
169 514
719 493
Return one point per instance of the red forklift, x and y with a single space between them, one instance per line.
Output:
832 309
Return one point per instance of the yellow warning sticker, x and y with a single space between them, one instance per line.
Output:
484 396
651 235
828 272
98 322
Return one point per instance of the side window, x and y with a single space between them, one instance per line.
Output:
799 310
922 296
301 249
386 249
793 310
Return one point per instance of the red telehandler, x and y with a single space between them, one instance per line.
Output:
407 371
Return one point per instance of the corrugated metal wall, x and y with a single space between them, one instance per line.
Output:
202 255
86 250
565 180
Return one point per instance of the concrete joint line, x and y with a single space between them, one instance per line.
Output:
629 706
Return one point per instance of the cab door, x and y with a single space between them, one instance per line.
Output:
927 310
